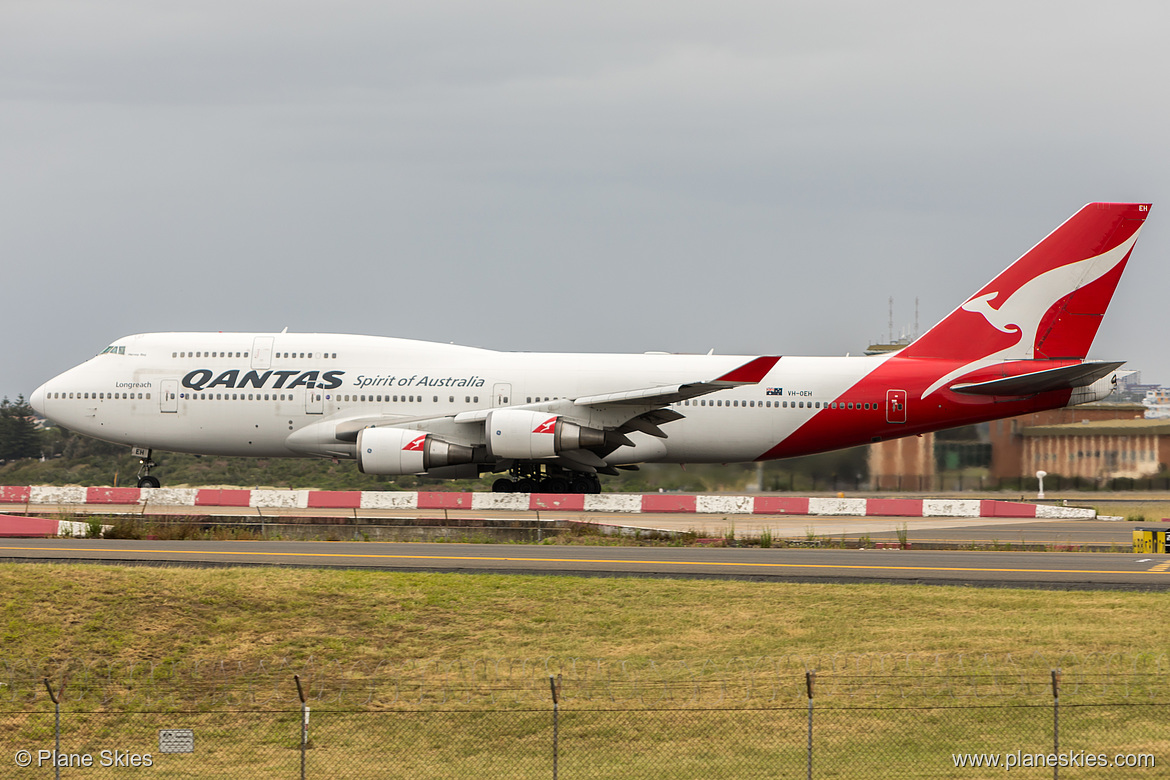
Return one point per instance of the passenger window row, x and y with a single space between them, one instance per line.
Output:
348 398
784 404
412 399
229 354
249 397
99 396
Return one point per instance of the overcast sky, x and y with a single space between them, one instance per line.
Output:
748 177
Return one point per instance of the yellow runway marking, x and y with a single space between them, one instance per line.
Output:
1162 567
574 560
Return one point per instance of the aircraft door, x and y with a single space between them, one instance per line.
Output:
502 395
895 406
262 352
314 400
169 397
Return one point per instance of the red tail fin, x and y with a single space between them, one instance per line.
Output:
1049 303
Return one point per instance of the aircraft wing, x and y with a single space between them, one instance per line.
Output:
620 412
662 395
748 374
1063 378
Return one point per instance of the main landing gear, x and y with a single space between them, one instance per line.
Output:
531 479
145 480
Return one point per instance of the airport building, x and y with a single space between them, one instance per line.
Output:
903 464
1095 442
1102 450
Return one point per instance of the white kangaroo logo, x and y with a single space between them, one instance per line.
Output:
982 306
1023 309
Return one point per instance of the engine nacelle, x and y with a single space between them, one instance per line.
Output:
527 435
400 451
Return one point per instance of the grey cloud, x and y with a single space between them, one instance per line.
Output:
752 177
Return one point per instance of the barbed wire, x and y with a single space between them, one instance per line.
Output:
842 678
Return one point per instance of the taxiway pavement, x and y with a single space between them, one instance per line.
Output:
1123 571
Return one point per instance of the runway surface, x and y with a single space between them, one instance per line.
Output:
956 531
1124 571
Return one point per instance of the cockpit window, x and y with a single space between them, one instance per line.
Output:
112 350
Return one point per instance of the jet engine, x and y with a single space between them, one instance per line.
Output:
400 451
525 435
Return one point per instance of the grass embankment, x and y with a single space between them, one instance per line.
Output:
713 706
52 613
1133 509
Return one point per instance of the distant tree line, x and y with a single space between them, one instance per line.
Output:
19 435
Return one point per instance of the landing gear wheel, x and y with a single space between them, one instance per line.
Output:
536 477
145 464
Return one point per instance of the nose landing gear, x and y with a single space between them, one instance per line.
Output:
145 480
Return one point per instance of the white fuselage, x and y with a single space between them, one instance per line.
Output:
246 393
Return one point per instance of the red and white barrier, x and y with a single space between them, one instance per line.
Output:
38 527
617 503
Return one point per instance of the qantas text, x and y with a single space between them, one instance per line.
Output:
201 379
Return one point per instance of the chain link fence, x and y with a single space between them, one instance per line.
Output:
795 717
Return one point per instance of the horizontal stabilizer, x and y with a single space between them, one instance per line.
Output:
1063 378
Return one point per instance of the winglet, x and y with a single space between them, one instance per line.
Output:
751 372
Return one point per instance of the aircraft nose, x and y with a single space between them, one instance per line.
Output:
37 400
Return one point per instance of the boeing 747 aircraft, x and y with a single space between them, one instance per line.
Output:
553 422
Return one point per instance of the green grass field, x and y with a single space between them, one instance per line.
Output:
57 612
446 675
